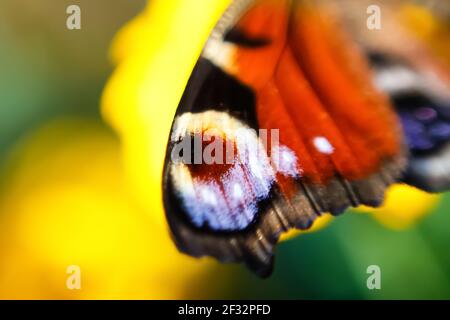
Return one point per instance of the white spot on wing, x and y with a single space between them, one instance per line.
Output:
208 197
285 161
237 191
219 53
323 145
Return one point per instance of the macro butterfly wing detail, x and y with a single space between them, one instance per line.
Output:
423 104
411 66
293 100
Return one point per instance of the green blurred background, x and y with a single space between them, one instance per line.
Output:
49 73
47 70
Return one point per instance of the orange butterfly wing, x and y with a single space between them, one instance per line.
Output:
283 66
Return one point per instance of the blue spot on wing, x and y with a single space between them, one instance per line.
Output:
426 124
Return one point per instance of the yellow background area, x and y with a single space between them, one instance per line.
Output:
65 204
155 54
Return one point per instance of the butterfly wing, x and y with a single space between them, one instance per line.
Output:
414 71
329 139
423 104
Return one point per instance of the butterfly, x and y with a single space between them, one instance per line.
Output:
285 118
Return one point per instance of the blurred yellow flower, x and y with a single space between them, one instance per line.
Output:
155 54
63 202
404 206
